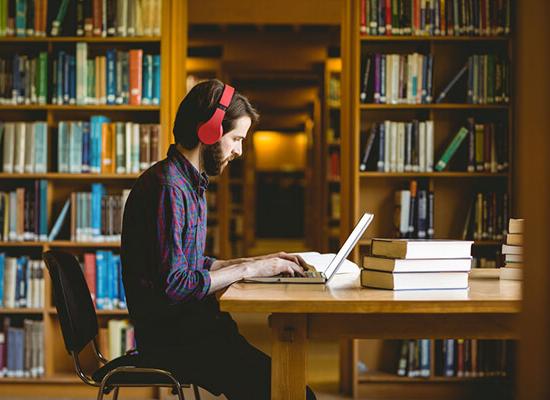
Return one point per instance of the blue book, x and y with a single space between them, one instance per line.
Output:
115 275
21 282
147 79
381 147
20 17
59 221
100 262
19 352
98 191
41 147
108 278
2 267
122 294
156 79
96 142
72 79
43 222
85 147
449 354
60 74
111 76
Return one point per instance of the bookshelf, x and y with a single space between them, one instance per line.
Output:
59 371
330 155
374 191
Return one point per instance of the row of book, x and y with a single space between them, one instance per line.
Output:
488 79
471 358
397 79
513 251
116 339
414 212
22 349
404 264
435 17
118 77
21 282
30 18
101 146
400 147
24 147
487 216
24 212
102 271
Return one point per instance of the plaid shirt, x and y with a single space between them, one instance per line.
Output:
164 230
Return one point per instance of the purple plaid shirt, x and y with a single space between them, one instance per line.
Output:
164 230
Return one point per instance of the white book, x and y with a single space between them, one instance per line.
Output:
29 147
393 150
147 15
19 158
136 18
128 146
405 212
395 78
508 249
414 280
135 149
410 71
120 148
422 146
10 271
513 258
387 145
418 265
429 146
421 248
400 146
41 145
81 72
9 147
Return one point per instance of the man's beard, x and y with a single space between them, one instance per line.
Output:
212 158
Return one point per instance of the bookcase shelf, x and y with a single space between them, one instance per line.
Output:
454 188
432 106
99 107
62 243
64 176
412 175
426 38
24 311
87 39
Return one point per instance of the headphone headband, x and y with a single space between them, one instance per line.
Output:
211 131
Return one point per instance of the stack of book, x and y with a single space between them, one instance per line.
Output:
406 264
513 251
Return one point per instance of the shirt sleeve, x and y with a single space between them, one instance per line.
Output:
207 262
181 282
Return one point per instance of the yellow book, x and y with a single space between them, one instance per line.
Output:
107 148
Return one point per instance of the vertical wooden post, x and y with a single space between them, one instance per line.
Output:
288 356
533 125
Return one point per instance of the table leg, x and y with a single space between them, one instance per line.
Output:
288 356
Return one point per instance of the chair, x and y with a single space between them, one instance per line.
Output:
78 321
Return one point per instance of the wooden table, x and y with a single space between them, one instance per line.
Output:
488 310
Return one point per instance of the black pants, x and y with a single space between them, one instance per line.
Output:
223 363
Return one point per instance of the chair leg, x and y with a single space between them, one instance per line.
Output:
115 393
179 391
196 392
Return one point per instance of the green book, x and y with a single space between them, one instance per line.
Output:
56 23
451 149
3 17
90 82
42 77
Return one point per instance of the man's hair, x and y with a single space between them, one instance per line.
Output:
199 105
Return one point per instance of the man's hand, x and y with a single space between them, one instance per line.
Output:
270 266
285 256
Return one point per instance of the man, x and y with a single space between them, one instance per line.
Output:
170 284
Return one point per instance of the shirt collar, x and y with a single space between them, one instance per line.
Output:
198 180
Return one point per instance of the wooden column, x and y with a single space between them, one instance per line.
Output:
533 127
288 356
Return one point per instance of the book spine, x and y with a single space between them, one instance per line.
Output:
136 62
471 146
451 149
412 208
381 147
431 212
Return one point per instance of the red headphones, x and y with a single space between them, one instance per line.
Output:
211 131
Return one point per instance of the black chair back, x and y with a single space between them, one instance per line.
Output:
72 299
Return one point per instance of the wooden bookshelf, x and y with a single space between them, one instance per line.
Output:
373 191
171 45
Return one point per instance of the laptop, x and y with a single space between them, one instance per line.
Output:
335 264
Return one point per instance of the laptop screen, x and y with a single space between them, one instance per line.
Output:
348 245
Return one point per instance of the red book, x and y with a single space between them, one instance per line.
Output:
136 63
460 357
89 273
98 17
363 20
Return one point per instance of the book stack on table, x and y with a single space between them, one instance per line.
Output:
513 251
408 264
